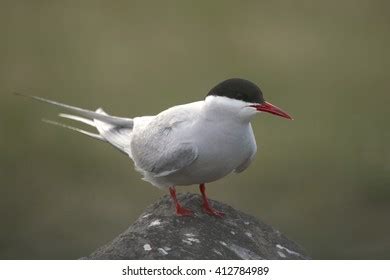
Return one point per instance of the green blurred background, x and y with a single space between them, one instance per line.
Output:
322 179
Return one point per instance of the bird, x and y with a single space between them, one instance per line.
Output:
191 144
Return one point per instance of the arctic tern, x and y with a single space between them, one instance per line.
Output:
194 143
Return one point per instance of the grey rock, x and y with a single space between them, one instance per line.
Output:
159 234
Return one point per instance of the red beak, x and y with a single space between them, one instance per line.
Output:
269 108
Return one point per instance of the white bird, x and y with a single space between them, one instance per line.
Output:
194 143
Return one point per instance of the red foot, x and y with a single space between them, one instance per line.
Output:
206 205
181 211
212 212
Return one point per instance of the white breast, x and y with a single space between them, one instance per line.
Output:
222 148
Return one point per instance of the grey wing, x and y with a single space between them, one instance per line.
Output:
164 162
159 148
253 148
244 165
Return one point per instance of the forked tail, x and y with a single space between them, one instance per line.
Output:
111 129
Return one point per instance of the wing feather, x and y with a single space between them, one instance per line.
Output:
159 146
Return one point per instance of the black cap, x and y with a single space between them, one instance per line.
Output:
239 89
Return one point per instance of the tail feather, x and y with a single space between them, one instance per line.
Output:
77 118
90 134
119 137
114 130
118 121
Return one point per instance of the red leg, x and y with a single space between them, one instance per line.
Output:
180 210
206 205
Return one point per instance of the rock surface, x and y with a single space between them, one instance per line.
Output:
159 234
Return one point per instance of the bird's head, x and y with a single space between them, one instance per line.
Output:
243 97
